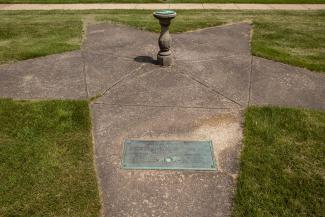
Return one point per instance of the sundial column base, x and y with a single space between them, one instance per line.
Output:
164 60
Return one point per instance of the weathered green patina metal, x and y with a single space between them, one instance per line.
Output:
165 12
168 155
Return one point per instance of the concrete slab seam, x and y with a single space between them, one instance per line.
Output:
167 106
210 88
121 80
84 73
211 59
113 55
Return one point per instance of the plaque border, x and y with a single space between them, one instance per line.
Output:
212 167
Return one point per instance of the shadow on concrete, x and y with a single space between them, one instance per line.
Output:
145 59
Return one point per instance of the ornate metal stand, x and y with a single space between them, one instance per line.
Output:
164 57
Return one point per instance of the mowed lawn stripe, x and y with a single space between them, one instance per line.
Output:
46 160
282 163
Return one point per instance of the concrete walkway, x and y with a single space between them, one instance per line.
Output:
201 97
162 6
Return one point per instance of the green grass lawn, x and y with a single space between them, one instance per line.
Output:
296 38
46 160
164 1
282 164
32 35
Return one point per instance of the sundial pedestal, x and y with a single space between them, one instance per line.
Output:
164 57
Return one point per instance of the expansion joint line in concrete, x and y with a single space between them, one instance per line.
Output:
112 54
210 59
84 73
120 80
166 106
210 88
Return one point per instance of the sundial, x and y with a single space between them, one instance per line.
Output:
164 55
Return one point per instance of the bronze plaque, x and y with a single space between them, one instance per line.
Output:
168 155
